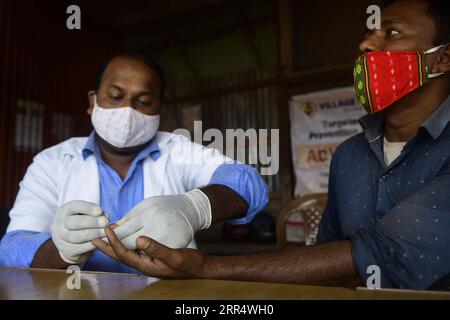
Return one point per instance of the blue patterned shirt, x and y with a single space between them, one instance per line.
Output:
397 217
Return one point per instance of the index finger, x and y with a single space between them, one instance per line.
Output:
128 257
82 207
105 248
81 222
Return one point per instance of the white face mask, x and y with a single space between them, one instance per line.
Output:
124 127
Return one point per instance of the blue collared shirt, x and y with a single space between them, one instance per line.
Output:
397 217
118 197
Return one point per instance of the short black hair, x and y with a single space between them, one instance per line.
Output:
137 57
439 11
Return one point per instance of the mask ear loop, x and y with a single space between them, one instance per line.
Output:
433 50
96 101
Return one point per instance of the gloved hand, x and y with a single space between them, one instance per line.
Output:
171 220
76 224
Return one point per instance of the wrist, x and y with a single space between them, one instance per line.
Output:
64 256
226 203
205 271
211 267
201 213
48 256
69 261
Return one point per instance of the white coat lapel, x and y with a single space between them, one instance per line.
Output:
82 182
154 172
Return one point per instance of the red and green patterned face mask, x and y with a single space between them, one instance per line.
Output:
382 78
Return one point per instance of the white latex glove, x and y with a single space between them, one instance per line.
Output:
76 224
171 220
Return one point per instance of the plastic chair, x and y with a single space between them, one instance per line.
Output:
311 207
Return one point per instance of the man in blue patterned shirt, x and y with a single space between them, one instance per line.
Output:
388 203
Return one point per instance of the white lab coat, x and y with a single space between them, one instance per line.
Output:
60 174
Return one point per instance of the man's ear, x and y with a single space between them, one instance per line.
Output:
91 97
442 64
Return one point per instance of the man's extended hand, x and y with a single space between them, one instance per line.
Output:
328 264
153 258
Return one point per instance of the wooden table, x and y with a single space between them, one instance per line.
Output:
52 284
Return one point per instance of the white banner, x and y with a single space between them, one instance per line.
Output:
320 121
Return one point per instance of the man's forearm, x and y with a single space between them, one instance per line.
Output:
48 256
329 264
226 204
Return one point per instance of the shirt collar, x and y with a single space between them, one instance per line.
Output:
438 121
91 147
435 124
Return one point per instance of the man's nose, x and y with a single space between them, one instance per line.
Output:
371 43
129 102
